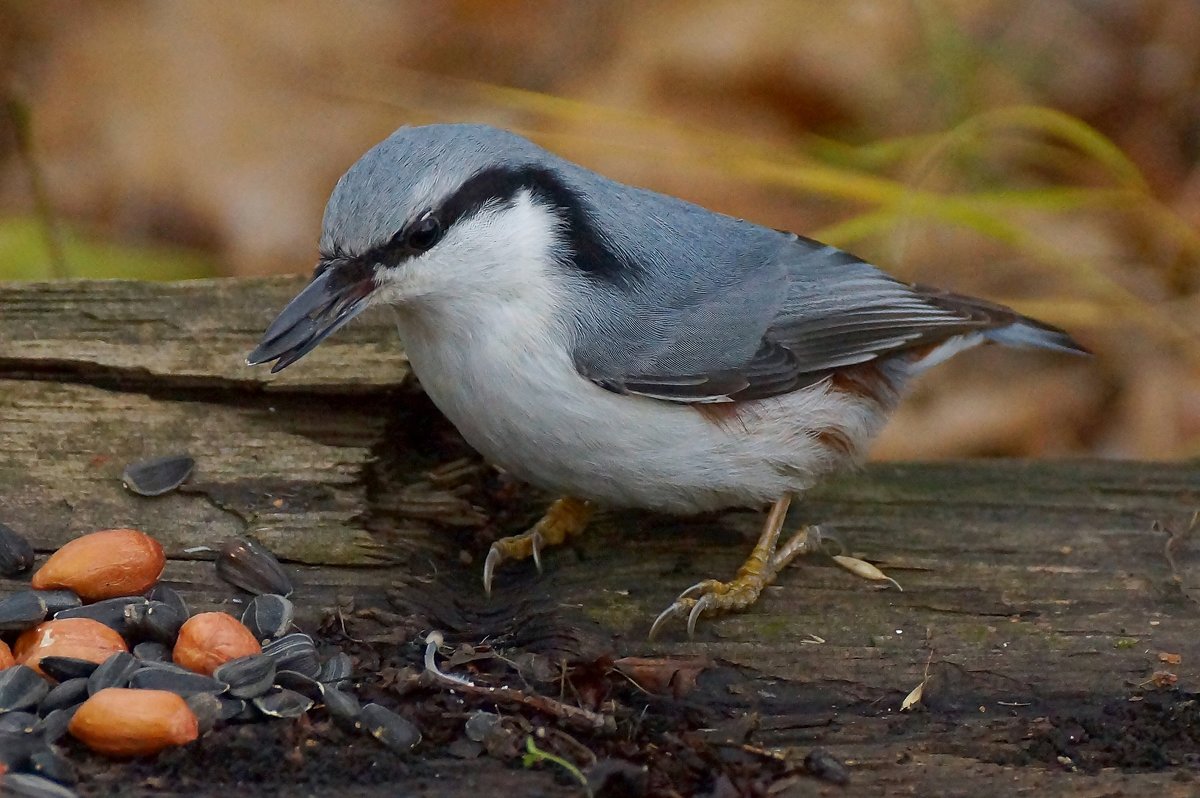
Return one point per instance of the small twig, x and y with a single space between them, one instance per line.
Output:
577 717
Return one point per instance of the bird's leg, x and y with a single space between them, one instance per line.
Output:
756 573
566 517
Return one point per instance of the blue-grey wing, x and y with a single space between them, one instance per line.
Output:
777 322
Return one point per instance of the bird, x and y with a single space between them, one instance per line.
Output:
622 348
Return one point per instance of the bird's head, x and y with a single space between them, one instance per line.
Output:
434 217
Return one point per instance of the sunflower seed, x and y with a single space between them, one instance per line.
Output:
110 612
64 694
169 595
60 669
52 765
15 748
247 677
342 707
26 785
53 727
21 687
248 565
281 703
16 555
336 669
207 709
150 651
393 730
233 708
58 600
305 685
269 616
17 722
155 620
295 652
158 475
175 680
21 611
113 672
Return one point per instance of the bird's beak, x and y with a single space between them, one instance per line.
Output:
334 297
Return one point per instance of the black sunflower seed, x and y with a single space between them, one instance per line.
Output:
247 677
110 612
295 652
149 651
52 765
27 785
169 595
16 555
248 565
268 616
394 731
158 475
64 694
342 707
60 669
21 687
336 669
58 600
207 709
174 680
21 611
53 727
113 672
282 703
154 620
17 722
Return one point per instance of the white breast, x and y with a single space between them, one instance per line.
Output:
494 360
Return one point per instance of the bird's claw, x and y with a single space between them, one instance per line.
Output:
529 544
700 598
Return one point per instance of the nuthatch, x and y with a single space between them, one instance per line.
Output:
622 347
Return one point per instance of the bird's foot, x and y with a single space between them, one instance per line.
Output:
711 596
565 518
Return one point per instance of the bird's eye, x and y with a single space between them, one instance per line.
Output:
424 234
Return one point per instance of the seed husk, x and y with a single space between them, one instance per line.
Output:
211 638
16 555
283 703
249 565
295 652
105 564
269 616
113 672
22 610
65 694
27 785
63 669
112 612
157 475
175 680
247 677
124 722
154 620
21 688
394 731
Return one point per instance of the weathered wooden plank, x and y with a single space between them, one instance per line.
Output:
193 334
1034 593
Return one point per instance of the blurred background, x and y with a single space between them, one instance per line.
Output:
1040 154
